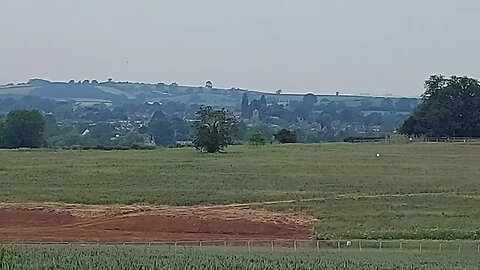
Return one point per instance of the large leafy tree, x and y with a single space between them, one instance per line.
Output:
213 129
23 128
286 136
162 129
451 107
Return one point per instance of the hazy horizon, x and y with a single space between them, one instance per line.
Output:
370 46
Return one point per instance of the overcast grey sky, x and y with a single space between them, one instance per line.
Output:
321 46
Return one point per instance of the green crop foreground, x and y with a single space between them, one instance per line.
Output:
126 258
413 191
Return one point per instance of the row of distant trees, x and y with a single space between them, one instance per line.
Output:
310 103
214 130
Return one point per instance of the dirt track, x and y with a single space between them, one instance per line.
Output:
74 223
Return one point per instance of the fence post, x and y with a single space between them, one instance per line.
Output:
272 245
478 249
421 246
338 244
295 245
248 244
440 247
401 245
318 246
360 245
459 248
175 247
380 245
225 243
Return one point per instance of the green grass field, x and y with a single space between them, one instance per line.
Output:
83 258
357 195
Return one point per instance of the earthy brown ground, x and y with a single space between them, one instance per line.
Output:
87 223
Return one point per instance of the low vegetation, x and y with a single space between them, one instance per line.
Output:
410 191
85 258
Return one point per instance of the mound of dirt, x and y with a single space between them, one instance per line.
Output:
144 223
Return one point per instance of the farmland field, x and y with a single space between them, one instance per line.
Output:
414 191
83 258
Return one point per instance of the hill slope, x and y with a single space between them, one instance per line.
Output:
118 92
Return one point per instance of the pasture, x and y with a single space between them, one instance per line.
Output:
414 191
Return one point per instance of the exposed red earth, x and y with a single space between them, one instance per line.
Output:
28 222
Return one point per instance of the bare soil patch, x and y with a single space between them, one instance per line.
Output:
52 222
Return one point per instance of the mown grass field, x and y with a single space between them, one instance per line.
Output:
85 258
415 191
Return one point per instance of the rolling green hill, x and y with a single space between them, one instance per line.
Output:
112 92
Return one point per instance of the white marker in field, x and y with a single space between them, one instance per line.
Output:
378 155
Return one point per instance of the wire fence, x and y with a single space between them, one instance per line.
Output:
452 139
406 139
293 245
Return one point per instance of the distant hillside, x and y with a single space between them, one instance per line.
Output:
111 93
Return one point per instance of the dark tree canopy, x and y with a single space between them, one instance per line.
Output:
22 128
257 139
161 129
451 107
244 106
213 129
286 136
309 101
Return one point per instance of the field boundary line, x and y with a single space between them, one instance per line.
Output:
238 205
347 196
